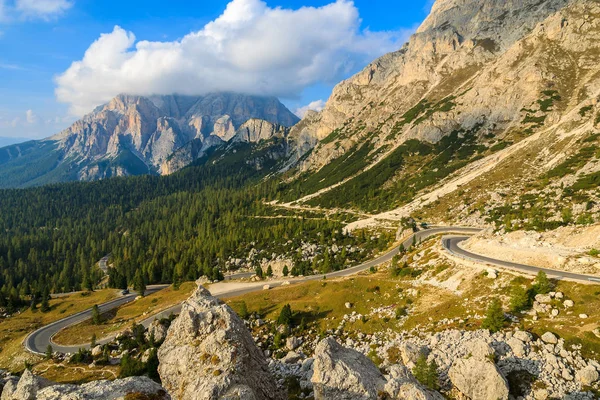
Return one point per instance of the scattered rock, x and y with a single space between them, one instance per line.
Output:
550 338
543 298
292 343
291 358
568 303
587 376
209 353
583 316
523 336
517 346
136 387
267 287
348 305
345 374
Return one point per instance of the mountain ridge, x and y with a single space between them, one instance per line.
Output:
133 135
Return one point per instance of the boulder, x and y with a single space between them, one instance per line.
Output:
158 330
209 353
27 387
523 336
135 387
291 358
478 379
410 353
543 298
517 346
402 385
401 389
292 343
587 376
479 348
97 351
568 303
344 374
550 338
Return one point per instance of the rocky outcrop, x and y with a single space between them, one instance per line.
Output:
157 331
135 387
449 49
26 388
210 354
33 387
345 374
256 130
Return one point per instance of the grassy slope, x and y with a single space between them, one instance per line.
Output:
322 303
13 330
124 316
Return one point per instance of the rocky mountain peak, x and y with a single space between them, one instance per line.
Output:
134 134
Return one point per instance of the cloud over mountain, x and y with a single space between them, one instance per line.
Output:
251 48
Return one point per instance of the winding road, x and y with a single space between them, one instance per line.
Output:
38 341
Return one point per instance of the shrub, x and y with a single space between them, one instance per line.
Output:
494 318
519 300
427 373
542 284
285 316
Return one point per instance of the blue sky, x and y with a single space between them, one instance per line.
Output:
41 39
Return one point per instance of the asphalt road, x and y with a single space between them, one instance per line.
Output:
451 244
38 341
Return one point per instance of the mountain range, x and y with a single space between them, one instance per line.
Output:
133 135
487 98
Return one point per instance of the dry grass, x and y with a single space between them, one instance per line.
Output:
77 374
124 316
322 303
14 329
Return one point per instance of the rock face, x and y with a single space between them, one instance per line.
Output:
210 354
132 135
345 374
457 35
256 130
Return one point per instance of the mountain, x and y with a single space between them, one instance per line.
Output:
133 135
472 117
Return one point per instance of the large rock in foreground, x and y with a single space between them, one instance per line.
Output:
139 387
26 388
344 374
33 387
478 379
209 354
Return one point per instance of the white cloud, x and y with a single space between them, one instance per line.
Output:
30 117
42 8
317 105
251 48
2 10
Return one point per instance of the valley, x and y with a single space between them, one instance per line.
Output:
429 232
